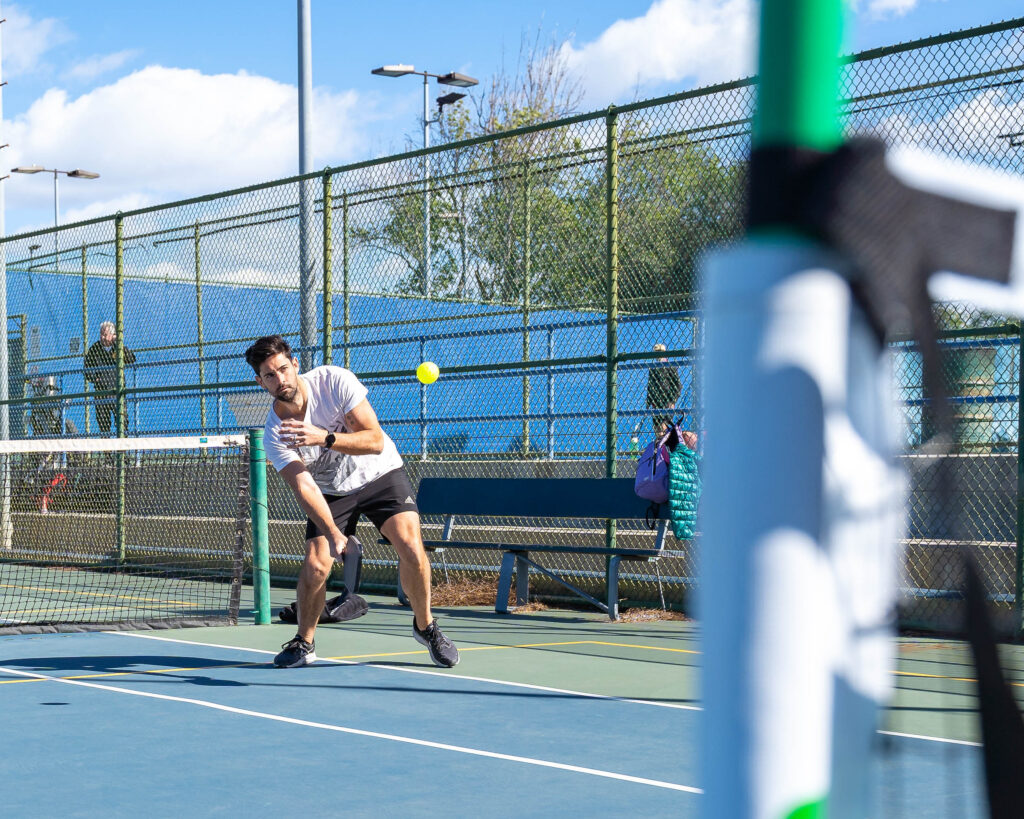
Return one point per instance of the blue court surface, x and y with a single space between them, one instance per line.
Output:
548 713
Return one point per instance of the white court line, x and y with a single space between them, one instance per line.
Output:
373 734
932 739
425 671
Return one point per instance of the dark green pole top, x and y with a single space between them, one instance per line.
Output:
797 101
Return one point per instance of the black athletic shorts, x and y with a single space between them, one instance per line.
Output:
379 500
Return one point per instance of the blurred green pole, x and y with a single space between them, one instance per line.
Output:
199 334
1018 597
612 303
344 274
799 74
85 330
328 285
120 398
260 528
527 275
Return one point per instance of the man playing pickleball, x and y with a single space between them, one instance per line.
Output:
324 439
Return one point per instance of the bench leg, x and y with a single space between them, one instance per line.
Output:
508 562
522 581
613 586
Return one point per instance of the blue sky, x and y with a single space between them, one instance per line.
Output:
169 100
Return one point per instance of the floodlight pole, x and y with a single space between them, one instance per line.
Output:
451 78
307 291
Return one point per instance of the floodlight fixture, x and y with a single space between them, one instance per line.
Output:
399 70
458 80
78 173
448 99
28 169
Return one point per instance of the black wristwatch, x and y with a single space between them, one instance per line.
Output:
329 440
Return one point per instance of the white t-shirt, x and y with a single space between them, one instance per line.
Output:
332 392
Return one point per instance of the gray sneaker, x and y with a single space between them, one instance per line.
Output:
296 652
443 652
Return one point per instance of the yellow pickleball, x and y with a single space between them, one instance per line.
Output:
427 372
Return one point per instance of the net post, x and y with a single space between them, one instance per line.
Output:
260 536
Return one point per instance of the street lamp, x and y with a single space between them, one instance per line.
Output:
77 173
451 78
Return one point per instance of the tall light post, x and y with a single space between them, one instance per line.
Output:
77 173
451 78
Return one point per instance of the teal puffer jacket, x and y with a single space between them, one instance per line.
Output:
684 491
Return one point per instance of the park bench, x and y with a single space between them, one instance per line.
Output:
538 498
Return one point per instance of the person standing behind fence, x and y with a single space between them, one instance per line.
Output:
663 390
101 372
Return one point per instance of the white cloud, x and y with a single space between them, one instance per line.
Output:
93 67
160 134
26 40
705 41
884 9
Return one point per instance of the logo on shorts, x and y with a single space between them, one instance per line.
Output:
409 500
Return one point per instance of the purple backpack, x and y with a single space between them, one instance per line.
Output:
652 471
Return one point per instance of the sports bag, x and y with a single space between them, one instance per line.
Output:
651 481
338 609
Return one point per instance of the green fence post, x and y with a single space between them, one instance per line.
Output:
612 304
1018 597
260 528
85 330
120 405
328 286
344 274
526 304
199 334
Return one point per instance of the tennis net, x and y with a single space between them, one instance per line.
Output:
122 533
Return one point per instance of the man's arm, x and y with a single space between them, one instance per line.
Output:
365 437
313 503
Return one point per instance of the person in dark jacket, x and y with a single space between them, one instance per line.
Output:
663 391
101 372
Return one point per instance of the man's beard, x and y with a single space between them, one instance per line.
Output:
287 394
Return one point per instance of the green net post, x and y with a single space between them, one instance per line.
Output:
797 99
328 284
612 303
260 528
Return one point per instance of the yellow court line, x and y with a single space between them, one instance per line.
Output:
649 648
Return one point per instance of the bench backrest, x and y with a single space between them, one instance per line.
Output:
533 497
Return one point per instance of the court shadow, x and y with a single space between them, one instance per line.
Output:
136 663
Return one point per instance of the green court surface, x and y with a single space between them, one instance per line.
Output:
575 650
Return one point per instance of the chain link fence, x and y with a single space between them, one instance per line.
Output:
550 271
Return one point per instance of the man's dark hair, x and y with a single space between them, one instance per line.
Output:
265 348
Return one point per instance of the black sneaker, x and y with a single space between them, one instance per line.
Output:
442 650
296 652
